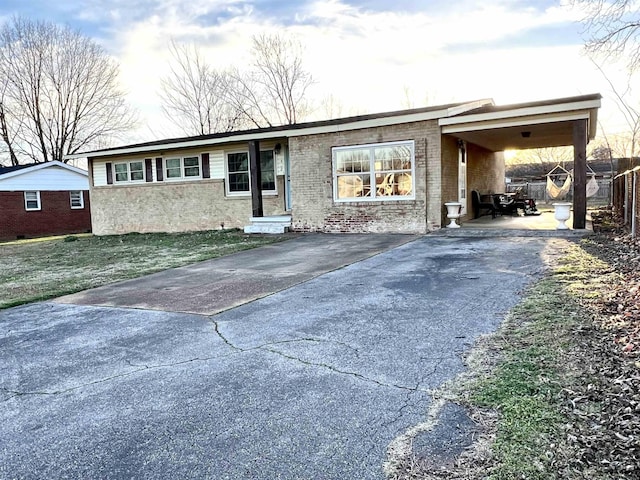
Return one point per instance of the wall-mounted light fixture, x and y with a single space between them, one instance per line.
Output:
277 149
525 134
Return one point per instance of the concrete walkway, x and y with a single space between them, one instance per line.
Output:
314 381
216 285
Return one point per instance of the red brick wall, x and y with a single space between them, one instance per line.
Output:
54 218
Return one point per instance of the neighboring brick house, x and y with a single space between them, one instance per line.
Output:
42 199
388 172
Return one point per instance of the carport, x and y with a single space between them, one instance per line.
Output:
557 123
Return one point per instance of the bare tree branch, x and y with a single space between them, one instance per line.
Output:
272 91
194 94
613 28
62 88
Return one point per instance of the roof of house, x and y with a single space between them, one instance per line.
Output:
15 170
12 168
450 115
307 128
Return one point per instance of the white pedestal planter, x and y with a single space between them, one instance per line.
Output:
562 212
453 213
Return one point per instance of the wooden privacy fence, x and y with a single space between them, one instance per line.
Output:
626 199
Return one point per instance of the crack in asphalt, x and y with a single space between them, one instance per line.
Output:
266 347
410 394
138 368
281 342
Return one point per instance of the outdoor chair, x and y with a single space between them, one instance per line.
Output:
478 206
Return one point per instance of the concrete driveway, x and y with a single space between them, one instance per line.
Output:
312 382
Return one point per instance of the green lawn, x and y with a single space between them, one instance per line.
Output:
38 269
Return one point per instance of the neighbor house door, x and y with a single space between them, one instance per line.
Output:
462 175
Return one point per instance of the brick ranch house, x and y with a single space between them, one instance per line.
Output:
42 199
387 172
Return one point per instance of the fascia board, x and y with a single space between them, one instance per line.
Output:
514 122
314 130
522 112
453 111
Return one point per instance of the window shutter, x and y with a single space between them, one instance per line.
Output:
159 176
109 174
206 173
148 167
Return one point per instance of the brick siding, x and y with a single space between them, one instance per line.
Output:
436 171
174 207
313 206
56 217
485 173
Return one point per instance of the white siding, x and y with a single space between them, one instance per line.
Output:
216 164
52 178
99 172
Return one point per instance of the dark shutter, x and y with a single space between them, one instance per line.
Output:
159 175
206 172
109 174
148 167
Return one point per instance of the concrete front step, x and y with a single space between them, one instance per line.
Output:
273 224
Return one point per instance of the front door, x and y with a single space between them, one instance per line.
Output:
462 175
287 181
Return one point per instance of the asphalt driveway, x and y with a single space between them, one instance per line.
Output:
312 382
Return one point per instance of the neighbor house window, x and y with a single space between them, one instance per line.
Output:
77 199
238 172
32 201
376 172
184 167
129 171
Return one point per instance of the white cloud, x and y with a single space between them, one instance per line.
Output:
367 58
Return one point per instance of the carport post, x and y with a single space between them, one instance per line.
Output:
255 175
579 174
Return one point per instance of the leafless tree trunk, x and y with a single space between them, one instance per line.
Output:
7 134
613 28
194 94
62 88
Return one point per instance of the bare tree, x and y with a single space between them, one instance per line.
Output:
7 131
195 94
271 91
60 92
331 107
629 145
613 27
279 78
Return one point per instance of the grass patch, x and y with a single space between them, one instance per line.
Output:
47 268
526 385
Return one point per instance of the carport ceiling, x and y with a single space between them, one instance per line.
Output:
522 126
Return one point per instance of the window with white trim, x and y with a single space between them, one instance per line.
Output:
129 171
32 201
375 172
238 175
77 199
177 168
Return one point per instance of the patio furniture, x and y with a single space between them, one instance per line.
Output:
478 205
505 203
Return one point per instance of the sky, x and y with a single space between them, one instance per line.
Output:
367 55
